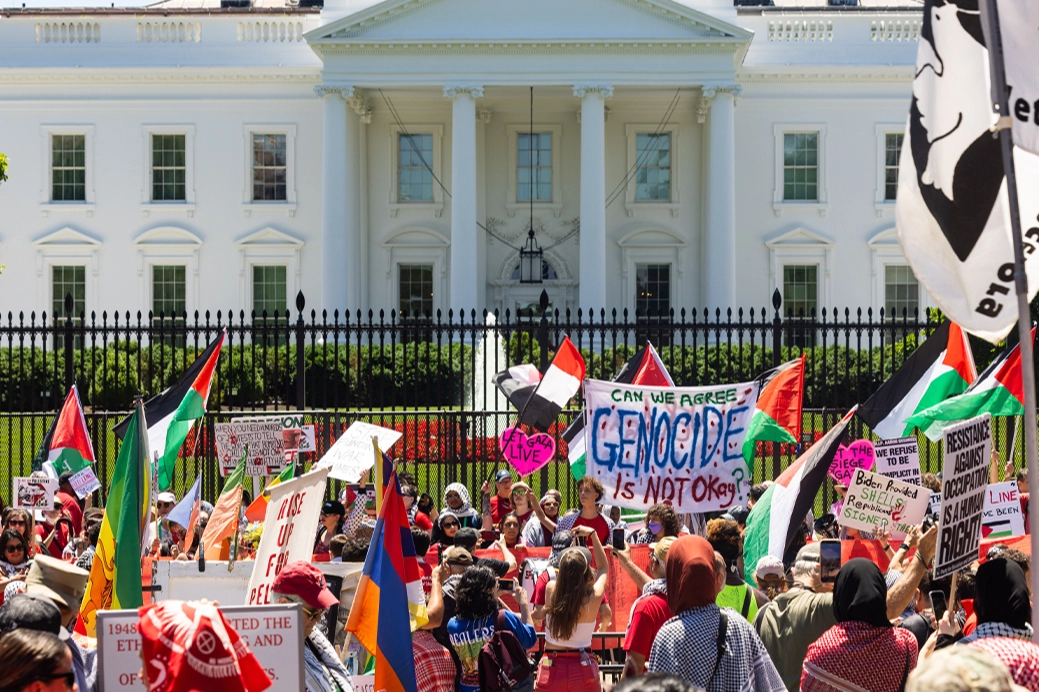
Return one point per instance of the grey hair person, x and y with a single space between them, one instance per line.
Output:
320 660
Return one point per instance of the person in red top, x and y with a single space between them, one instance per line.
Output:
418 518
70 502
54 529
421 539
590 492
501 501
650 610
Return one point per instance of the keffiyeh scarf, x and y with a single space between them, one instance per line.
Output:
857 656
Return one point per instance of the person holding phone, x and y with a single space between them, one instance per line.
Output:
590 492
54 529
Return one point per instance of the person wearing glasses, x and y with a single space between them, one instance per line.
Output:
539 529
458 502
35 661
332 515
444 531
21 520
14 561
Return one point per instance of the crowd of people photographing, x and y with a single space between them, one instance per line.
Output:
697 623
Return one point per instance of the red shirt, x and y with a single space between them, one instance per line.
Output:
427 576
648 613
422 521
599 524
69 503
60 540
540 586
500 507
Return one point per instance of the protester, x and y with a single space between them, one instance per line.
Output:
523 502
1021 657
1001 602
683 647
445 530
458 502
427 507
420 538
14 563
434 667
590 492
335 548
302 583
64 584
190 646
650 611
661 521
510 530
770 577
92 521
726 538
539 529
756 492
440 612
332 515
501 501
35 661
966 669
847 655
70 502
572 603
54 529
931 482
22 521
561 541
478 614
416 516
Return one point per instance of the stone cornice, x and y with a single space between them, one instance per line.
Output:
893 74
566 46
309 77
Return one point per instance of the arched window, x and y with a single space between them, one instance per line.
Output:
548 272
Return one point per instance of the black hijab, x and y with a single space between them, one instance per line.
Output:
860 594
1002 594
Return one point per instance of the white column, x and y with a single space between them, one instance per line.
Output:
592 272
719 240
356 163
338 206
464 292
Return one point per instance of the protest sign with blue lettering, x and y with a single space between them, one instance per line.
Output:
683 445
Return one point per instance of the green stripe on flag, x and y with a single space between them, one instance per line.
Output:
763 427
132 466
191 408
759 530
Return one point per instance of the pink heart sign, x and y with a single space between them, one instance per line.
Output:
858 455
526 453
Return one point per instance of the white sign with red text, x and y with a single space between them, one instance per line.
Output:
293 512
1002 516
274 634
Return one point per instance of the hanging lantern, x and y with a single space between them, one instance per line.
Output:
531 257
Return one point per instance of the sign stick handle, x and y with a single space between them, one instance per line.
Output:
379 481
952 590
1000 97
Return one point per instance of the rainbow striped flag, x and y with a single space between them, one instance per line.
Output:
389 603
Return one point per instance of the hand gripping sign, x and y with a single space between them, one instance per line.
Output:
682 445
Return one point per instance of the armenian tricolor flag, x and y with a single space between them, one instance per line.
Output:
389 603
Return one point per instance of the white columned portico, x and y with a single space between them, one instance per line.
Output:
463 282
339 201
719 244
592 255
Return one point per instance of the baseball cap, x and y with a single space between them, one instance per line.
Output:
739 513
660 548
502 475
305 581
61 582
467 538
561 541
809 552
457 555
333 507
32 612
166 497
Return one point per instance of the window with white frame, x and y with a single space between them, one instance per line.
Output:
414 169
901 293
270 167
65 280
652 290
534 166
68 168
270 290
800 166
169 291
415 289
653 172
801 300
892 151
169 168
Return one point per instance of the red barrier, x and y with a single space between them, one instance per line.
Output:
1021 543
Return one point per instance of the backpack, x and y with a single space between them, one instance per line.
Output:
503 664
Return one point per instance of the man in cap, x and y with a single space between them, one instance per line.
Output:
501 501
32 612
64 585
456 559
302 583
650 610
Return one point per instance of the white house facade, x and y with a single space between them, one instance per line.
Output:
668 154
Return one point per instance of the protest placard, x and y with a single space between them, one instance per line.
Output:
352 454
875 500
84 482
964 481
684 445
34 492
293 510
848 458
935 504
274 633
1002 513
264 440
296 435
899 458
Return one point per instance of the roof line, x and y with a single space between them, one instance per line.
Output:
13 12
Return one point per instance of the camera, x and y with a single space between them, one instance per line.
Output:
930 520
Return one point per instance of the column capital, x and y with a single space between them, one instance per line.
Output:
708 92
605 90
342 90
473 90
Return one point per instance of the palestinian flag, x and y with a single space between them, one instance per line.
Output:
185 513
173 412
223 521
999 391
115 576
776 518
67 444
777 416
257 510
939 368
540 399
644 368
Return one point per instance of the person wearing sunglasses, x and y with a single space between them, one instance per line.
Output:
458 502
444 531
35 661
14 563
539 528
302 583
22 521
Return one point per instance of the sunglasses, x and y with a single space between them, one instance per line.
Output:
16 523
551 504
452 495
164 504
314 614
511 525
69 676
13 548
448 525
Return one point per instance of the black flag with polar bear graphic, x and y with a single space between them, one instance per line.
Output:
952 213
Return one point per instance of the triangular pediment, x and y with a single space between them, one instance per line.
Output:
494 22
268 237
67 236
800 238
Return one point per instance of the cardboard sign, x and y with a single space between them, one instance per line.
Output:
967 447
899 459
273 633
935 504
849 458
296 436
34 492
263 439
352 454
84 482
684 445
526 453
875 500
1002 513
293 511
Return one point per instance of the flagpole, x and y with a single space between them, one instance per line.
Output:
1000 97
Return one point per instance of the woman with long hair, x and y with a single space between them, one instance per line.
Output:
510 530
14 561
35 660
332 515
22 520
661 521
770 577
572 602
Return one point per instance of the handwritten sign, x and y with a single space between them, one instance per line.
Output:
1002 513
899 459
274 634
84 482
263 438
649 445
849 458
296 435
526 453
293 511
875 500
34 492
352 453
964 482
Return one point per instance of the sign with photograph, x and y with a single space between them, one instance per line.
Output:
296 435
964 483
899 459
34 492
263 440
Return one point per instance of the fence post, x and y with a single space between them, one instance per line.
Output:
543 332
300 341
69 376
777 329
